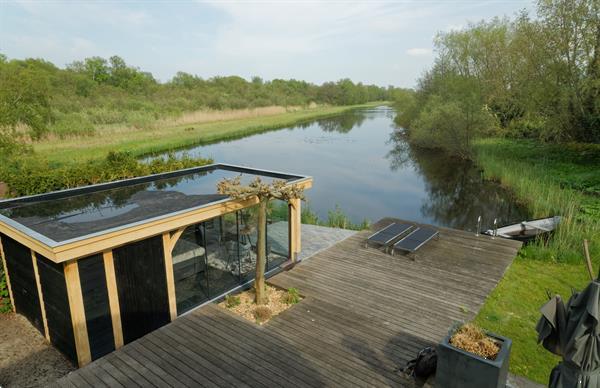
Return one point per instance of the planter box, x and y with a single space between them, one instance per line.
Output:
457 368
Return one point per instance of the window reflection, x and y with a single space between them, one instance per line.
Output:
190 269
278 247
217 255
222 253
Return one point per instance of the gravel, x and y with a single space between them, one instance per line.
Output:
26 358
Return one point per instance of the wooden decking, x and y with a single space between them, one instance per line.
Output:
365 313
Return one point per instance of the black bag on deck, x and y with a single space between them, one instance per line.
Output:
424 365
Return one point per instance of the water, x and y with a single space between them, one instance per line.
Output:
360 162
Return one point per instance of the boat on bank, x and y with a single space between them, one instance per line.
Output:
526 230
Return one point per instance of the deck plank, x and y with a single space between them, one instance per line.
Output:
365 314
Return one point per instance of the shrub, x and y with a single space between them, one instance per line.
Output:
526 127
232 301
337 219
72 125
141 119
28 176
451 126
308 216
4 297
291 296
9 145
262 314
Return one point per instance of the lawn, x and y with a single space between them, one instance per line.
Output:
550 180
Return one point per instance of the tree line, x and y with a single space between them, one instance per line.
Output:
37 96
522 77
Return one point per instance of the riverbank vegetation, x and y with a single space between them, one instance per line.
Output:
549 179
91 122
56 125
534 82
39 99
527 77
521 97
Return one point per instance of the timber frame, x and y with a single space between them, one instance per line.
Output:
169 228
98 242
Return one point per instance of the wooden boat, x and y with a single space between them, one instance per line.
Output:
527 230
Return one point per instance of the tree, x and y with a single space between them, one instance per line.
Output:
265 192
96 68
24 97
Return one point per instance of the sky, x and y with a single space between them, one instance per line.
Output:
374 42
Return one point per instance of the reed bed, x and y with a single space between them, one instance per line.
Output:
549 180
535 186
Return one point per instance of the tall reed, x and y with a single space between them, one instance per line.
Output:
534 186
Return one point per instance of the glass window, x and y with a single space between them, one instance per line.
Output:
222 253
190 269
278 230
217 255
247 221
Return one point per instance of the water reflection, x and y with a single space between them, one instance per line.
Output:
341 124
360 162
64 218
457 192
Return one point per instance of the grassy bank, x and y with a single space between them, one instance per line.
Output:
551 180
57 163
561 180
163 137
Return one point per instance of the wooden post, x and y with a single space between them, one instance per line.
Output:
261 254
295 227
113 298
588 260
168 245
82 343
10 294
38 284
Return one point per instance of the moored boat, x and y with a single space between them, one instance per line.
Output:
526 230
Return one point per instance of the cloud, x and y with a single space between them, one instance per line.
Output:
419 52
315 40
309 27
84 13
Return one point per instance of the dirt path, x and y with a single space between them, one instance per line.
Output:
26 359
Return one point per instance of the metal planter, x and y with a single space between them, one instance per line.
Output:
457 368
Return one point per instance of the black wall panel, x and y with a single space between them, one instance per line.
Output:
22 281
95 303
56 302
142 287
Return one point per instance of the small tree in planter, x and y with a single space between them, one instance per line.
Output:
265 192
470 357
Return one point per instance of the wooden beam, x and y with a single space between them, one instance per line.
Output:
175 236
139 232
80 332
167 247
295 227
10 294
36 274
28 241
103 242
113 298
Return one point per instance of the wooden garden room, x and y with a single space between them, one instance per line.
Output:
97 267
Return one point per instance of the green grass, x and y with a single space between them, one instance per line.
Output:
148 141
512 310
550 180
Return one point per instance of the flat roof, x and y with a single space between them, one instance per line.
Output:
66 216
